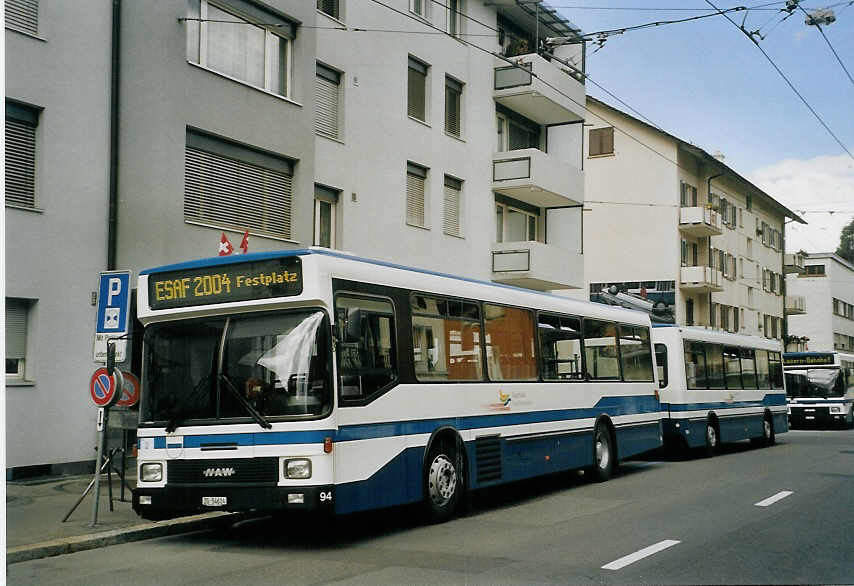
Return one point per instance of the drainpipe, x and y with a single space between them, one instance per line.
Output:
112 218
709 239
785 332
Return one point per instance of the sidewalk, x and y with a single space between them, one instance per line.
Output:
35 508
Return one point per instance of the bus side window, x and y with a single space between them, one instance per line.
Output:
366 346
661 363
560 347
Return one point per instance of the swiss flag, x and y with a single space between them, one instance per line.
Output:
244 244
225 247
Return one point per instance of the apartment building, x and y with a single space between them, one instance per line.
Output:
139 132
668 222
820 299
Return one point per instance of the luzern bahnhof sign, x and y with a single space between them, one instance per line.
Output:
280 277
805 359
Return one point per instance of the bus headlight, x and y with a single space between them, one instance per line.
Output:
836 409
151 472
297 468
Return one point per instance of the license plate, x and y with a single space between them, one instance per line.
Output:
810 410
214 501
809 417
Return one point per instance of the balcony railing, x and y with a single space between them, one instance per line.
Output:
701 279
796 304
535 265
538 89
793 263
700 222
535 177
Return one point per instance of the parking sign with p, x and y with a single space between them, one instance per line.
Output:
112 315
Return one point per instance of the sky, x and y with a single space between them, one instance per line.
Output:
707 83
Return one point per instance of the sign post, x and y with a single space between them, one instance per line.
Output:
106 388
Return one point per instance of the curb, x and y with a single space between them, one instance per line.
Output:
150 530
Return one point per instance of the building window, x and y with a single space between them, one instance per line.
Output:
231 186
21 122
23 15
451 217
601 141
325 204
453 99
419 7
17 311
453 17
689 312
253 48
688 195
327 92
516 132
416 179
813 270
417 89
750 248
330 8
514 224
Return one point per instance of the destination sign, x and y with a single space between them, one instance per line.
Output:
279 277
808 360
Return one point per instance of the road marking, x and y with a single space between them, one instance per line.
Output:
773 499
639 555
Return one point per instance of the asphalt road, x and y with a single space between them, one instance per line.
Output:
659 521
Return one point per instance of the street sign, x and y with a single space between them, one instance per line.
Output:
102 388
130 391
112 315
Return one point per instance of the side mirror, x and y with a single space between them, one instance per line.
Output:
111 357
353 332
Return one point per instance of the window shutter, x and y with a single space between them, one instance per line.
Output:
417 93
228 193
415 179
20 163
451 220
23 15
326 111
329 7
16 328
453 91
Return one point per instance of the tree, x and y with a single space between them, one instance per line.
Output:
846 242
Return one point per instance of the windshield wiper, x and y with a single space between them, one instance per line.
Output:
259 419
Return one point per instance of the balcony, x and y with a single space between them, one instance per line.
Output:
534 265
540 90
532 176
699 222
794 263
796 304
701 279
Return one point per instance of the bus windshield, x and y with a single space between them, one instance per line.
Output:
814 382
258 366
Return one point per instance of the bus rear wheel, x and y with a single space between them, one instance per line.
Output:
443 483
603 454
712 439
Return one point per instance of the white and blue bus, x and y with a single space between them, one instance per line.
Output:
719 387
316 380
819 388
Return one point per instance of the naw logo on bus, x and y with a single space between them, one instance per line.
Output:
504 404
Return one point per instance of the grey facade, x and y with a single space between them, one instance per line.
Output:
193 120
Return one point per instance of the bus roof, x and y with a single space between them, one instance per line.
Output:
333 254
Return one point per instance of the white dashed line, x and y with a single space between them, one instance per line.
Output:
773 499
639 555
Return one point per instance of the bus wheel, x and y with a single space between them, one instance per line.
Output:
603 454
443 484
768 435
712 439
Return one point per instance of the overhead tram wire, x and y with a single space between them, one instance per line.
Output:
543 81
835 54
794 89
663 8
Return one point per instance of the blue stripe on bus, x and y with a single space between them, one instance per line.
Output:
767 401
614 406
